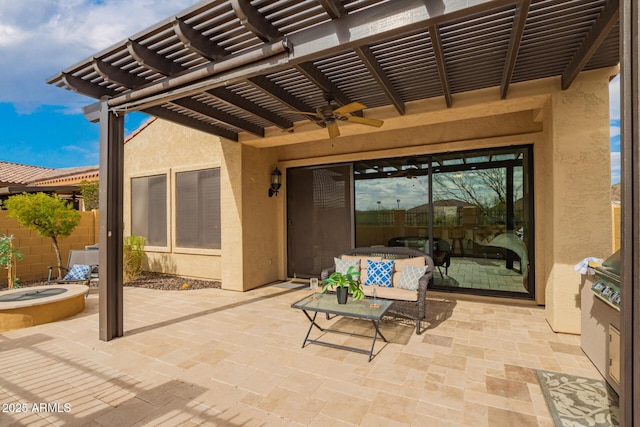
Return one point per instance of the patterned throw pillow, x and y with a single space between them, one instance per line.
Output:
342 265
78 272
410 276
379 273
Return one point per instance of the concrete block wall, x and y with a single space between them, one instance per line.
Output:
617 227
38 251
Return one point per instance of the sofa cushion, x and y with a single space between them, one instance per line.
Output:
342 265
391 293
410 276
379 273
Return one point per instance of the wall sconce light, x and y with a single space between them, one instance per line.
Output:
276 182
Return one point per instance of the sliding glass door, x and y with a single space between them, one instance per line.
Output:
472 211
319 217
487 220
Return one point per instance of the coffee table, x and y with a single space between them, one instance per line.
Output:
327 303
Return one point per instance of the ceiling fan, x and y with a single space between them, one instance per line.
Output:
408 170
331 114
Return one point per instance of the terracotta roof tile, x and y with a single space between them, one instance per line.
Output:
14 173
68 175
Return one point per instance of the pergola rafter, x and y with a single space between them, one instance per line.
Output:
202 50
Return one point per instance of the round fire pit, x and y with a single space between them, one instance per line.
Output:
24 307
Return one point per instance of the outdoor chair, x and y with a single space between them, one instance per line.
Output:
441 249
82 267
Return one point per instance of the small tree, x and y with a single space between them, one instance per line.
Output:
90 194
133 253
8 257
50 216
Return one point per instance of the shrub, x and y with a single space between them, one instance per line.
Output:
133 256
90 194
8 257
50 216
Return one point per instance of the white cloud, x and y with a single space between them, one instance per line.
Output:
39 38
614 98
615 167
614 130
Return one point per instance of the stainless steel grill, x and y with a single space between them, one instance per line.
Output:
607 284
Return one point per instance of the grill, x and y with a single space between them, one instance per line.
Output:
600 317
607 284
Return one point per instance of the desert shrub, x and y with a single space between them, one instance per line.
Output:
8 257
133 256
49 216
90 194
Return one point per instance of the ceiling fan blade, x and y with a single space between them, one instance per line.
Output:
334 132
350 108
304 113
364 121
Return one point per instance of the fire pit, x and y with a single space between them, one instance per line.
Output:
21 308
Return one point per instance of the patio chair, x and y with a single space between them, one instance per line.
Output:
82 267
441 249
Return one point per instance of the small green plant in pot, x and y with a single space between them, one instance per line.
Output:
345 283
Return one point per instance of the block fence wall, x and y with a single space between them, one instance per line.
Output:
38 251
617 227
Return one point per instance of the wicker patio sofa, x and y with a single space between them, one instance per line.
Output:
402 257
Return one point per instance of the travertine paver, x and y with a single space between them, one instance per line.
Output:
214 357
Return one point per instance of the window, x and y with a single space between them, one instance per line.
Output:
149 209
198 209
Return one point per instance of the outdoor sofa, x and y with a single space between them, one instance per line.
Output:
406 261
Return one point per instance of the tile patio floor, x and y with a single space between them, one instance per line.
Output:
222 358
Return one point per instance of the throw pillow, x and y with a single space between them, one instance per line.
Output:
78 272
410 276
401 263
342 265
379 273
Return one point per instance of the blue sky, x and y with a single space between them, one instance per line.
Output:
43 125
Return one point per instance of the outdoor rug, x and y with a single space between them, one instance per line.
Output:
578 401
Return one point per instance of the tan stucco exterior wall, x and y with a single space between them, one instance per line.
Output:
250 255
580 192
568 129
166 148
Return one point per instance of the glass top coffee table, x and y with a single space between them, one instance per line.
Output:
367 309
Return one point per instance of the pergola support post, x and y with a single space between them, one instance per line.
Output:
630 148
111 224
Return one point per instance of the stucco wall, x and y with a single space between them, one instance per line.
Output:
263 247
581 192
166 148
250 255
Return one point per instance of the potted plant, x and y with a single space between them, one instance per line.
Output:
345 283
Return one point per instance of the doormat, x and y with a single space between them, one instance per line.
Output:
578 401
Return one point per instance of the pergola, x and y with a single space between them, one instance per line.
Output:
233 67
243 70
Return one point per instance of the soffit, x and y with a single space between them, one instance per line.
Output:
234 67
